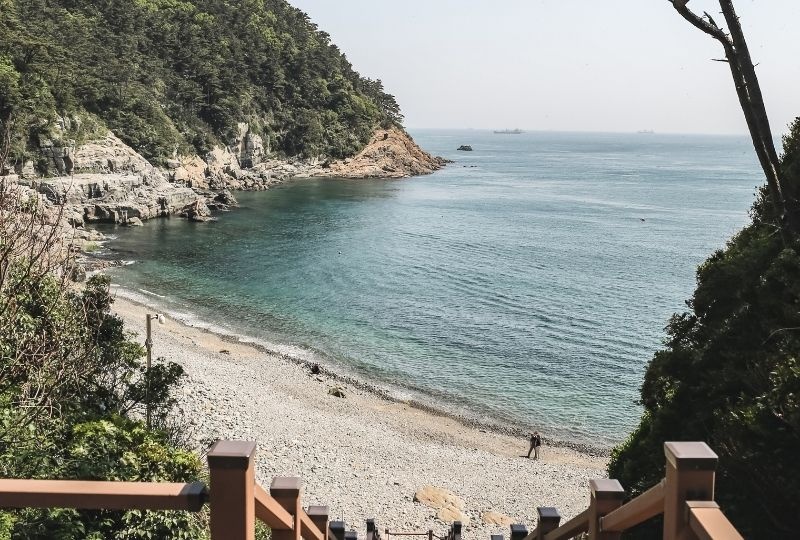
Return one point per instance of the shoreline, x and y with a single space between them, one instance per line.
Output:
364 455
379 389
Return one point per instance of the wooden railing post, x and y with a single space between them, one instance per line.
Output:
549 518
232 482
607 495
518 531
689 477
337 529
286 492
319 517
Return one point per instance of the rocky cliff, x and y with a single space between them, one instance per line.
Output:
104 180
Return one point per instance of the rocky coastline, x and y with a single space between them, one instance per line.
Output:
103 180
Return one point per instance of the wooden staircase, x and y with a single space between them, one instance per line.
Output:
685 499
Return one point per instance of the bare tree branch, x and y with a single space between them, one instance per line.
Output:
786 207
698 22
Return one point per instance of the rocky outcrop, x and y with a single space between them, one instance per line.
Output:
109 155
115 198
189 171
249 147
391 153
109 181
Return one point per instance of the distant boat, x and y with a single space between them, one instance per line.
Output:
509 131
465 148
645 132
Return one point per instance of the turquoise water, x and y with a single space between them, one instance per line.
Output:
528 283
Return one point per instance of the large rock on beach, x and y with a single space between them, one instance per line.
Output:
449 506
496 518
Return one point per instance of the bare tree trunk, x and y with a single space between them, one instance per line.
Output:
751 101
5 142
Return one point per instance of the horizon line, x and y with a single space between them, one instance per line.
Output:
597 131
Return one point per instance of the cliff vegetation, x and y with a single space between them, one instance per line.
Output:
178 77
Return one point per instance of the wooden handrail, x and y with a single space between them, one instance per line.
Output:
647 505
709 523
97 495
690 469
236 501
270 512
308 529
577 525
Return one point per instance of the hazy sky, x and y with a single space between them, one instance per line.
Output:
586 65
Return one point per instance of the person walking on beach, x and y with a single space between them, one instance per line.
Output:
536 442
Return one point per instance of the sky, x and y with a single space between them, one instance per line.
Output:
566 65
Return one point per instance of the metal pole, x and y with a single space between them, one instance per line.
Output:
148 343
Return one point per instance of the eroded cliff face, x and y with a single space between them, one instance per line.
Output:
106 180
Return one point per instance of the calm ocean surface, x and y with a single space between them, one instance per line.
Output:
529 282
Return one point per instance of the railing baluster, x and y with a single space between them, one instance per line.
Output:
518 531
549 518
351 535
690 477
607 495
337 529
232 483
496 537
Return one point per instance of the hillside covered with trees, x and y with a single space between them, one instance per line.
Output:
175 77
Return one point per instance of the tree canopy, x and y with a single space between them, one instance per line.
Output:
730 375
173 76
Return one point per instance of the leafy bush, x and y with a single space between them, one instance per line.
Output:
72 386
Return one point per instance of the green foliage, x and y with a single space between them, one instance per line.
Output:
170 75
729 375
70 379
113 449
6 525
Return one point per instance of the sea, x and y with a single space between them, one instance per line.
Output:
527 284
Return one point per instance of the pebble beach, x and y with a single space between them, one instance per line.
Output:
362 455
